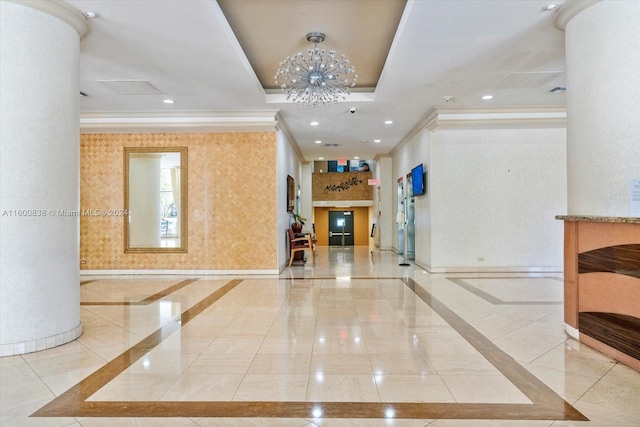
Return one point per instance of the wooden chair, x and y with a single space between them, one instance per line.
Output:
298 244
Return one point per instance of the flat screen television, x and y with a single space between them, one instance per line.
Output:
418 180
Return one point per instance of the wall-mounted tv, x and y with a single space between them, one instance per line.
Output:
418 180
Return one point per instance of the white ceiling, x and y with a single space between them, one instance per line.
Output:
187 51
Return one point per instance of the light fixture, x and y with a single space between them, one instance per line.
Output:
314 123
318 142
168 101
317 78
487 97
550 6
376 141
388 122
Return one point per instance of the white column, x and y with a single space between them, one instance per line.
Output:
39 175
603 104
144 200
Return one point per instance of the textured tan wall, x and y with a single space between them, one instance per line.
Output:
342 186
232 203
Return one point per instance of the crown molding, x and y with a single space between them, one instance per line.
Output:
184 122
496 118
276 96
62 11
454 118
569 10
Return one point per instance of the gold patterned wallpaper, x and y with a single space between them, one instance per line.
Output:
342 186
232 215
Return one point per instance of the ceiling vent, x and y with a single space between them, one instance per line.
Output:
131 87
558 89
330 145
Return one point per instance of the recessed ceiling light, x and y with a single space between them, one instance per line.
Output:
376 140
318 142
168 101
314 123
487 97
91 15
388 122
320 158
550 6
356 158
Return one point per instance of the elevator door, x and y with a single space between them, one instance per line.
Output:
340 228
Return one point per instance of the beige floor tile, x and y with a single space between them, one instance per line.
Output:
483 389
160 362
568 385
135 387
565 358
287 388
221 363
342 388
293 344
345 344
414 363
461 364
412 388
338 363
203 387
246 345
283 364
253 422
368 422
621 399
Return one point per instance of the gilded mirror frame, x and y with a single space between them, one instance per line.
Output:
183 209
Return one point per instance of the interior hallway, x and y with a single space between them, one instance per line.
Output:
355 340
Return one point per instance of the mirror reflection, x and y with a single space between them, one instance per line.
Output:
155 198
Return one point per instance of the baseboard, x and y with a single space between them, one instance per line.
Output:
177 272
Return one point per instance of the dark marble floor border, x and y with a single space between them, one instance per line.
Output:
547 405
495 300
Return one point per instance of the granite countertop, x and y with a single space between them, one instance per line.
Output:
587 218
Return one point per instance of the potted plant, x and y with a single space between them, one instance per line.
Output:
298 222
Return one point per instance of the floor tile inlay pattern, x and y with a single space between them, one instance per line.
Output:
350 341
546 404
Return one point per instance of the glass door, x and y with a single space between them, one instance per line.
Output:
409 220
400 217
341 228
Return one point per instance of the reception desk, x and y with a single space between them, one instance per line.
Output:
602 284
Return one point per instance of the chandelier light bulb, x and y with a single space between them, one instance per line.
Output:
316 79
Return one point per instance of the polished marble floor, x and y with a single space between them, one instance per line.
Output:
354 340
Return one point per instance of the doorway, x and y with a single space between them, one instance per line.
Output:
410 225
341 228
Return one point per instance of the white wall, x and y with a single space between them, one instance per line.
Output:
492 197
384 204
288 164
414 152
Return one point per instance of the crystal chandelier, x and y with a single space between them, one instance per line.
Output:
316 78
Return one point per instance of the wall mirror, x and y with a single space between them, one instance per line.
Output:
291 194
155 198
